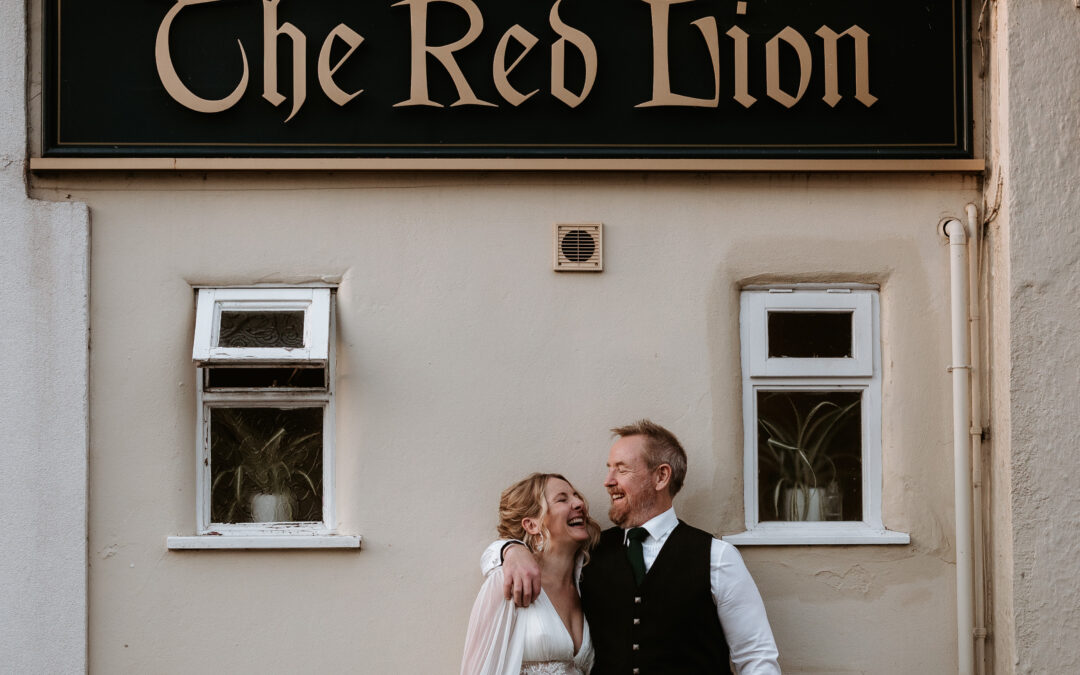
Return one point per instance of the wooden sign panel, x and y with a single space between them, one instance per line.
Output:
507 78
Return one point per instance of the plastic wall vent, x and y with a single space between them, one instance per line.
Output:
579 248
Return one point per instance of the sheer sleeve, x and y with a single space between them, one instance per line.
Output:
492 556
492 646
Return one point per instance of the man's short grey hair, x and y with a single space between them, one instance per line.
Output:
661 447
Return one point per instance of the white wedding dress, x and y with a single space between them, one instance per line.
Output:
507 640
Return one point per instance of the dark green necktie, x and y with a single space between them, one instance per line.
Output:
633 550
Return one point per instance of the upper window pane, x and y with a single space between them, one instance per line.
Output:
810 335
261 329
813 333
263 326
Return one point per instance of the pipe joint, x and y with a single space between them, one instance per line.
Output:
955 231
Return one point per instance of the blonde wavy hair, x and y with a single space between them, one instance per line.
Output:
526 499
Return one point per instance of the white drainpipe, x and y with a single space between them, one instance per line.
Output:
962 442
976 431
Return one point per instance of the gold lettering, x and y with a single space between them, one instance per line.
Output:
742 93
862 65
271 31
499 69
558 59
661 94
171 81
326 71
772 66
418 83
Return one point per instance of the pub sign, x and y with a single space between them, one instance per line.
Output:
703 79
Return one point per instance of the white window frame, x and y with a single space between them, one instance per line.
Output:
859 373
757 307
318 351
314 302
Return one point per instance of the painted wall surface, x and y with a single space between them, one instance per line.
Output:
998 555
43 398
464 363
1042 182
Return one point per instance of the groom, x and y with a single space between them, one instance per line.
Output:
660 596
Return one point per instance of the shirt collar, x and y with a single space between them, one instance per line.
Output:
659 527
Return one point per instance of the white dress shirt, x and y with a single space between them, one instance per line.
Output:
738 603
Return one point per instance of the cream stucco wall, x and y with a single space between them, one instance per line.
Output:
43 414
43 399
1038 392
464 363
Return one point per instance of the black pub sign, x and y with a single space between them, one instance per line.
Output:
700 79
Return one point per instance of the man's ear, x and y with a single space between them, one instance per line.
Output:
662 477
531 525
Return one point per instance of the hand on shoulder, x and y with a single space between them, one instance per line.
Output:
521 575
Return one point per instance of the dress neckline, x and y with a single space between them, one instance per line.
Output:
584 625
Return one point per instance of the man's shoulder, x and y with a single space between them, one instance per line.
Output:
690 531
611 534
718 548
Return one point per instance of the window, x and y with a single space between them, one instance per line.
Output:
811 363
265 428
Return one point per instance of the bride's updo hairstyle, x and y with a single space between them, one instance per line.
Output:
526 499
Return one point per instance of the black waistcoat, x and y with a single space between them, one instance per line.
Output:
666 626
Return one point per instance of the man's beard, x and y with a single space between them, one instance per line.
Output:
631 513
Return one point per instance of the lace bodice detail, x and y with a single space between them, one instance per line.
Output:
550 668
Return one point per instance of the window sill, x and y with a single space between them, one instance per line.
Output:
817 534
267 541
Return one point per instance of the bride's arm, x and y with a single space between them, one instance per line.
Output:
492 646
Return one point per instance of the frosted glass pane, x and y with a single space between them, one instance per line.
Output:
809 455
266 464
261 329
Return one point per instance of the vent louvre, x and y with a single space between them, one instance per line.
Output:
579 247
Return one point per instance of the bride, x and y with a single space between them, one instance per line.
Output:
550 636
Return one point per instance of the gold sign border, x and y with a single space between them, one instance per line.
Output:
502 164
975 165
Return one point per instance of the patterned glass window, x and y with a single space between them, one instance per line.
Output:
264 358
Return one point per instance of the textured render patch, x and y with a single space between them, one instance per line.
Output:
43 399
43 412
1043 199
853 579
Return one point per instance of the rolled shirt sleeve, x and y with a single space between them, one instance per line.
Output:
742 613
